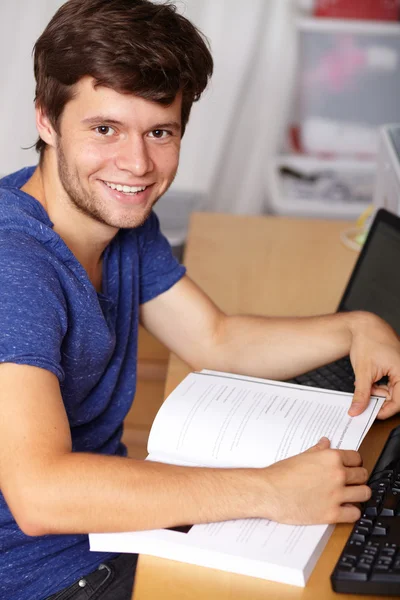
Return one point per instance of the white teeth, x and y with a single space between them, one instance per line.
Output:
127 189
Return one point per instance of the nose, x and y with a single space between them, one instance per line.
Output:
134 156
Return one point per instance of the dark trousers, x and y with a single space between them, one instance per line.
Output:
113 580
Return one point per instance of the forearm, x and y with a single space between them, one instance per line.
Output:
280 348
81 493
86 493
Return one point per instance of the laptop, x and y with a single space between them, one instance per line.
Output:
374 285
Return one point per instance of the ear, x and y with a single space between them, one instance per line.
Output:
44 127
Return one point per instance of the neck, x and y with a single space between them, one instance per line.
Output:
85 237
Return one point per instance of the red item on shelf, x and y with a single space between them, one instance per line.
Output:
377 10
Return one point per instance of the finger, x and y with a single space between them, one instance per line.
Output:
382 391
350 458
362 393
348 513
356 475
392 404
322 444
356 493
388 409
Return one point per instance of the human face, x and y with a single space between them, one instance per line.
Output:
116 153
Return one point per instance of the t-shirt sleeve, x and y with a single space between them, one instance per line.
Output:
33 310
159 269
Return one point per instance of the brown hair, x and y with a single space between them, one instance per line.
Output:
131 46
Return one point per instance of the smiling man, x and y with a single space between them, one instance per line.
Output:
82 261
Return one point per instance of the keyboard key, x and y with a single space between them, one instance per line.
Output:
387 552
347 562
358 537
356 543
375 545
352 575
352 552
371 551
390 504
384 560
380 569
365 522
362 529
366 558
390 545
380 485
364 566
372 507
380 529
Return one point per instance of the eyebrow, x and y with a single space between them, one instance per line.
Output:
169 125
103 119
100 119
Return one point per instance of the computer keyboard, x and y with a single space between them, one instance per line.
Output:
370 561
338 375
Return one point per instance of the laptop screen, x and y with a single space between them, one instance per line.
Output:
375 282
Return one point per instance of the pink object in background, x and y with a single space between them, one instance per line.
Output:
337 68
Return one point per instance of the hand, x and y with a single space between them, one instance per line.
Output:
317 486
374 353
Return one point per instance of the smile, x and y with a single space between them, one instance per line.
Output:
126 189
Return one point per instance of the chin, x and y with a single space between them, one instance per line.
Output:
129 222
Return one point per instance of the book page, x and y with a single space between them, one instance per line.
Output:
218 419
255 547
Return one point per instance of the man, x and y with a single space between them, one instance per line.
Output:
81 262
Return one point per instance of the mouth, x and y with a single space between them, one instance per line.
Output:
128 195
130 190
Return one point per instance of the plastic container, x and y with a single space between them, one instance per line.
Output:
309 187
348 86
387 189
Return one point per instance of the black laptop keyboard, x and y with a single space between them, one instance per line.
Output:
338 375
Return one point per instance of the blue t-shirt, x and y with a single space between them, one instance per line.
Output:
52 317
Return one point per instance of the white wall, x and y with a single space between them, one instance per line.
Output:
22 23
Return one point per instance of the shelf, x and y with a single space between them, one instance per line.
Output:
348 26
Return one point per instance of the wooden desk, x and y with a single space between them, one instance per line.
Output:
270 266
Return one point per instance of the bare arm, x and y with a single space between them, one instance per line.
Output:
189 323
50 489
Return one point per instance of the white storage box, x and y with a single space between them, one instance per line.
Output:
387 189
349 85
309 187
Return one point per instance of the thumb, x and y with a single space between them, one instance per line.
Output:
361 396
322 444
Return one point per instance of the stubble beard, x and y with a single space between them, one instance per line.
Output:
88 204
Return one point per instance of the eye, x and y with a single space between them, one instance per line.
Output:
105 130
159 134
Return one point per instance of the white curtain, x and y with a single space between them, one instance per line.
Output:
238 125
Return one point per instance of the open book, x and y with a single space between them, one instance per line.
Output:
222 420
